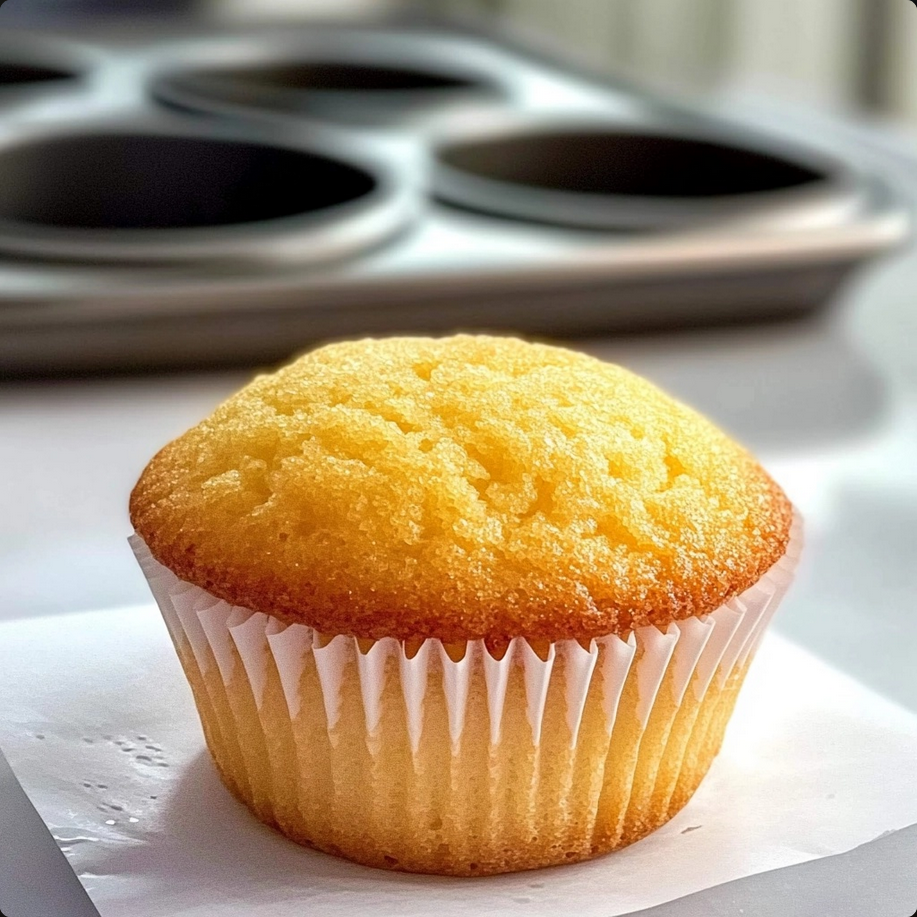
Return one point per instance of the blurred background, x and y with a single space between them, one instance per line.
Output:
840 53
760 265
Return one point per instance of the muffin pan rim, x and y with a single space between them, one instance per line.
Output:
162 293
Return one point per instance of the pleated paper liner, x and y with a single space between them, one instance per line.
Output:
445 759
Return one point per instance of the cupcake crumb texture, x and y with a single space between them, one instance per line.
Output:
461 488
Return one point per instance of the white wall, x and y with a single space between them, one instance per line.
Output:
900 64
807 48
816 51
810 50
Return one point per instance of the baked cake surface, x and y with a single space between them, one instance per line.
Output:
461 488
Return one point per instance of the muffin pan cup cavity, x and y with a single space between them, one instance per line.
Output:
625 177
168 192
377 83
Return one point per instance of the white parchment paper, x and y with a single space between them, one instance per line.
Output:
98 723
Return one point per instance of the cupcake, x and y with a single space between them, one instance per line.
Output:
465 605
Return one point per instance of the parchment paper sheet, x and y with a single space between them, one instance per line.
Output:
98 723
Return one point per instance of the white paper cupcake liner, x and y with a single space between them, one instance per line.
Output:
693 651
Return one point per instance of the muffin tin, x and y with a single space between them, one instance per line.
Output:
235 197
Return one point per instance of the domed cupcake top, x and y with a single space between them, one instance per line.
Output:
461 488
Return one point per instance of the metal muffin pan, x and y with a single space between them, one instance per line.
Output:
529 199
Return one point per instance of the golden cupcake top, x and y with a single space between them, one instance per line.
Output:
461 488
